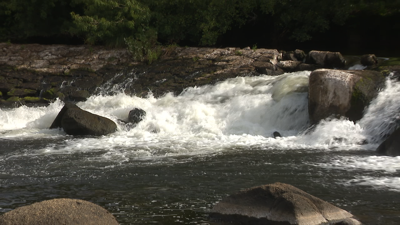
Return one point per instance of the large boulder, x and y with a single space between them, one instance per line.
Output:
326 59
76 121
59 211
278 203
391 146
341 93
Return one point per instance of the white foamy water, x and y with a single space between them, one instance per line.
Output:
238 113
243 111
384 183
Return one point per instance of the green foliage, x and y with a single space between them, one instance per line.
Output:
27 18
110 22
153 54
140 24
238 53
140 45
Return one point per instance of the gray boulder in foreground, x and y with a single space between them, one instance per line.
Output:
59 211
278 203
391 146
76 121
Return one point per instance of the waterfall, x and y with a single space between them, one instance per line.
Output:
242 111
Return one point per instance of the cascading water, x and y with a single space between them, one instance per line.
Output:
222 132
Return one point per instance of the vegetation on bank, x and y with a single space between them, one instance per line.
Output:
141 24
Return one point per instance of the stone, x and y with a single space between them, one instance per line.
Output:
278 203
21 92
276 134
369 60
267 68
136 115
76 121
326 59
288 56
289 65
341 93
391 146
39 63
300 55
59 211
78 95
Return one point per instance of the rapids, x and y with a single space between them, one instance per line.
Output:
232 120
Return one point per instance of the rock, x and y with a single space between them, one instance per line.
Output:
278 203
79 95
369 60
267 68
21 92
391 146
59 211
289 65
76 121
341 93
276 134
136 115
308 67
288 56
300 55
326 59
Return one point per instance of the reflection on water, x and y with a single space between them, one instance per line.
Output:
181 190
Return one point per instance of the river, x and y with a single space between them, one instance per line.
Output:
193 149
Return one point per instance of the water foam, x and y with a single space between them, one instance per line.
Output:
239 112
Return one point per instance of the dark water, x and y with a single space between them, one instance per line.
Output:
182 189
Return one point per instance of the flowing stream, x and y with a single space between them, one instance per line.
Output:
193 149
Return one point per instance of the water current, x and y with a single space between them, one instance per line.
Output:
193 149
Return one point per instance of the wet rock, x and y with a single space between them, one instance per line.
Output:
369 60
326 59
391 146
78 95
76 121
276 134
278 203
341 93
136 115
59 211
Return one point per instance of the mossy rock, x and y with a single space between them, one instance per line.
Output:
14 99
31 99
1 94
391 62
21 92
364 90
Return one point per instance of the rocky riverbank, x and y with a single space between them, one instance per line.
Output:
38 74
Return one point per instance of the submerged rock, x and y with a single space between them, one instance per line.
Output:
136 115
76 121
59 211
341 93
391 146
276 134
278 203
